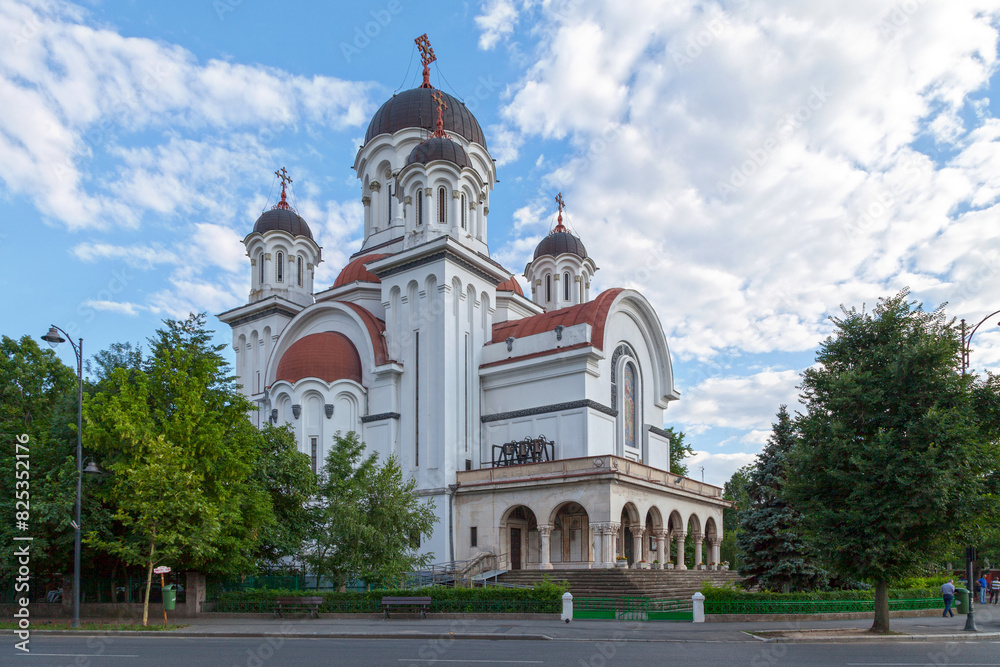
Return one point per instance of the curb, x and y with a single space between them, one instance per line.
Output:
859 639
289 635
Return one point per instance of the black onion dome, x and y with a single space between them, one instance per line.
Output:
416 108
559 243
282 219
438 148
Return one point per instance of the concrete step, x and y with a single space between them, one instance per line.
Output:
657 584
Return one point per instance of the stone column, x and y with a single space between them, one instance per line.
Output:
715 543
637 533
598 538
609 543
661 544
544 533
456 221
681 565
698 538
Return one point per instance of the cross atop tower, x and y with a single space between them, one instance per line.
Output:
426 57
441 105
285 180
561 204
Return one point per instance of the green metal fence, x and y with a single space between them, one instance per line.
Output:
374 606
44 588
813 606
632 609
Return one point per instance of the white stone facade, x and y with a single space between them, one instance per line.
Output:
426 347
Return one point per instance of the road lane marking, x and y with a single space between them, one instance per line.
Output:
82 655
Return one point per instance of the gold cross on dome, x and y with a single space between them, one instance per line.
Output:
560 202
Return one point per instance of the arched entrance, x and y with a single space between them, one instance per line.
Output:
570 543
626 534
651 544
519 537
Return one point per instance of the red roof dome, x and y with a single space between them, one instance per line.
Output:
355 271
329 356
510 285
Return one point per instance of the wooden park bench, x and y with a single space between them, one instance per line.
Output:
423 603
298 603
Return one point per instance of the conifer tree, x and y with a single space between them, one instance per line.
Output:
774 552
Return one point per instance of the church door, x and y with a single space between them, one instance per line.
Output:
629 547
515 548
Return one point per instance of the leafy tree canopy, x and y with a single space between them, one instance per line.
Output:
679 450
888 466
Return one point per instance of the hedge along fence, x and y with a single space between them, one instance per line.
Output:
545 598
731 600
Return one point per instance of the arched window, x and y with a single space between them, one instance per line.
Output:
442 206
629 411
260 270
279 269
566 284
548 287
420 206
299 268
463 207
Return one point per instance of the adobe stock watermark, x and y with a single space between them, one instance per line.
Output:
22 541
596 147
898 17
741 173
267 649
363 35
708 33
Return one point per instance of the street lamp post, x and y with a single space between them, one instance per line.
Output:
970 552
53 338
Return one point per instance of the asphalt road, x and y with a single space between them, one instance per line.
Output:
261 652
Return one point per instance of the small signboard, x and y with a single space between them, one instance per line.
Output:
163 569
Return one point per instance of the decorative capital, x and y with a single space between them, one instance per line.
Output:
296 410
545 530
680 534
637 531
455 194
366 200
374 186
697 537
407 200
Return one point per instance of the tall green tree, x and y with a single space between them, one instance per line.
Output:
38 401
888 465
735 491
183 392
679 450
773 549
369 519
163 508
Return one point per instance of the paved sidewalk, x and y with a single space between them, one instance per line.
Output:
910 629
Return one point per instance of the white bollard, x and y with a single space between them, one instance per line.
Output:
567 612
698 602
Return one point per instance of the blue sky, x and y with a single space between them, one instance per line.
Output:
748 165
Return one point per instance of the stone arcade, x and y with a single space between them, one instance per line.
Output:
429 349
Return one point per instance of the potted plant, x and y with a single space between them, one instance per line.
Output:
712 566
642 565
725 564
657 565
622 563
670 564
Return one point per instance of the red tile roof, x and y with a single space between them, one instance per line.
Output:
594 313
510 286
329 356
355 270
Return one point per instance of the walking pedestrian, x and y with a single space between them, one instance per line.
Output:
995 590
948 591
983 586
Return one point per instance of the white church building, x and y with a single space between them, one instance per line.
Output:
535 424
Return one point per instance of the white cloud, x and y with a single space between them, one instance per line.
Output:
718 467
496 22
120 307
748 402
73 92
751 167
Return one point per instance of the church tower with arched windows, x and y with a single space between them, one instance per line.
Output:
535 426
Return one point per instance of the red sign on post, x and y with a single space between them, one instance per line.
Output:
163 569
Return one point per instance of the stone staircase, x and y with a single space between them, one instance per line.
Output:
653 584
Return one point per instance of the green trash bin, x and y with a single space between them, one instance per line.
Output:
170 597
962 600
